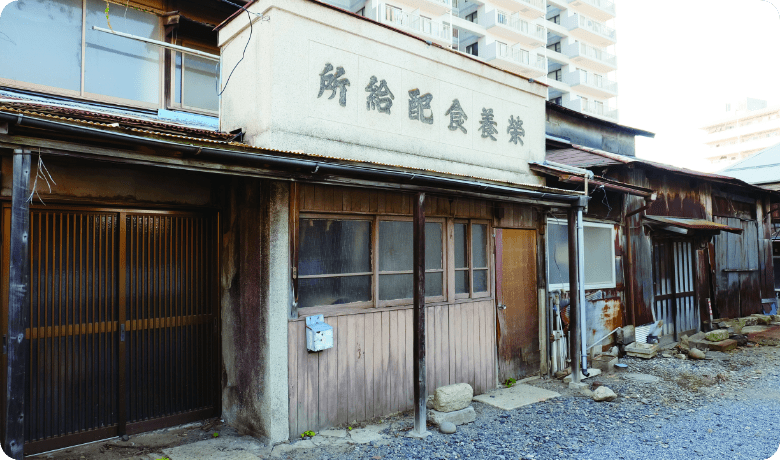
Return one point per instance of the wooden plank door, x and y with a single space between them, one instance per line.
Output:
516 298
674 296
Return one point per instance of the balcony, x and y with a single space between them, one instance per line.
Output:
595 108
590 57
435 7
515 60
422 27
515 29
531 9
600 10
590 84
589 30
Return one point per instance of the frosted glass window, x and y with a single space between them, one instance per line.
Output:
177 80
331 247
461 246
198 86
40 42
479 245
396 254
480 280
599 255
462 282
117 66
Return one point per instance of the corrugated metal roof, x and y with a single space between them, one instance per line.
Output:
760 168
84 118
694 224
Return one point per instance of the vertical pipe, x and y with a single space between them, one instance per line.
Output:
419 317
574 298
18 307
582 314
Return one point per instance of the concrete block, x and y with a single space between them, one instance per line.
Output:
454 397
517 396
642 350
458 417
605 363
717 336
591 373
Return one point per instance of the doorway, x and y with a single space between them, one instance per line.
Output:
674 296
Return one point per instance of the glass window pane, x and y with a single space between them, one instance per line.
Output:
199 87
329 246
177 80
118 66
392 287
480 280
433 284
599 263
333 291
433 259
395 245
479 245
461 246
40 42
462 282
558 253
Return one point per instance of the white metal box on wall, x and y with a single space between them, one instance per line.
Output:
319 335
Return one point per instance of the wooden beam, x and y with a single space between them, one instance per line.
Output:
18 349
418 350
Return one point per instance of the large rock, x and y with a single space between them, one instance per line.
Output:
603 393
695 353
453 397
458 417
717 336
724 345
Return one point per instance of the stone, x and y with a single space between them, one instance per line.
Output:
695 353
723 345
603 393
680 356
762 319
447 428
591 373
458 417
642 350
454 397
717 336
641 378
578 386
363 436
605 363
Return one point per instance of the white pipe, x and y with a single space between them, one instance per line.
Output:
185 50
601 339
582 314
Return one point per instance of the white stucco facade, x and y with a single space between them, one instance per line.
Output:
275 95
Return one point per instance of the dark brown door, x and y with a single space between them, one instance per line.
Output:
518 312
122 330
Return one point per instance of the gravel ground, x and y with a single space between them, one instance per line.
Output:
724 408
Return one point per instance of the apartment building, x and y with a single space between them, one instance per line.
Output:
748 126
567 44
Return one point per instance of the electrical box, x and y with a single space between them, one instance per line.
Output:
319 335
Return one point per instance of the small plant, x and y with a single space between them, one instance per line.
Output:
164 458
349 428
310 434
215 435
509 382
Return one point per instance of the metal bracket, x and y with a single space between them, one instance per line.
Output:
502 306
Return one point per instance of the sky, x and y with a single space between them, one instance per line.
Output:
680 61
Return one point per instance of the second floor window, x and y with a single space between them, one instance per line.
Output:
472 17
473 49
555 75
555 47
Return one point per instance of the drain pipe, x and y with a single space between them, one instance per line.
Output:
583 313
576 289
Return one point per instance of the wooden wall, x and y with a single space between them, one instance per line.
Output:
368 372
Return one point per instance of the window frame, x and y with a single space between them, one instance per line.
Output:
448 263
470 258
81 93
170 84
566 286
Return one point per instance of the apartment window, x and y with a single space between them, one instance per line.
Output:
555 47
583 75
557 100
472 17
473 49
599 255
361 12
111 68
556 75
501 17
393 14
426 24
367 261
501 48
555 19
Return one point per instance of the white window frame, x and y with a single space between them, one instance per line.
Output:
565 286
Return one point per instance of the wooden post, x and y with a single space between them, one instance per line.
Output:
574 296
18 349
420 393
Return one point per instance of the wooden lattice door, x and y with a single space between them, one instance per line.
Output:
123 331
